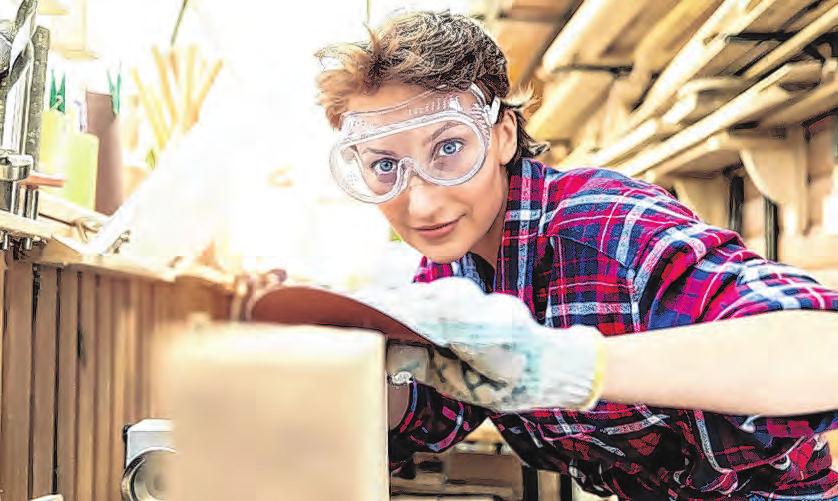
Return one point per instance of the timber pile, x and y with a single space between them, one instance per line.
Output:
696 96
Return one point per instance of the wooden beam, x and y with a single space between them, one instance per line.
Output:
733 17
795 45
782 176
590 32
750 105
813 103
697 99
671 33
638 138
18 226
567 101
707 197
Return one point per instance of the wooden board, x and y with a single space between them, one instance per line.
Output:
3 277
708 52
67 384
817 101
43 410
523 43
132 352
86 417
593 34
146 329
567 103
104 430
163 303
753 104
119 397
17 382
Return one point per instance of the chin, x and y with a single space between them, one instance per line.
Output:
441 254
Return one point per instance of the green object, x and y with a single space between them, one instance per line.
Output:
115 88
58 95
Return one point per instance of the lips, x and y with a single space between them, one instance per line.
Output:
437 231
437 226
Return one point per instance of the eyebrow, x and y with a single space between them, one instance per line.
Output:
432 138
378 152
438 132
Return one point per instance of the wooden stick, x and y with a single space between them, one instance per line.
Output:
203 91
188 84
157 127
163 72
174 62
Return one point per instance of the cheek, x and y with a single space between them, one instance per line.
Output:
393 212
488 194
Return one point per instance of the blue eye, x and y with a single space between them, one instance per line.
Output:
451 147
383 166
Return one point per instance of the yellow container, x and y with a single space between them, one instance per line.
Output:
80 160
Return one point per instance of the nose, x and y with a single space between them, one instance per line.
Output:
423 198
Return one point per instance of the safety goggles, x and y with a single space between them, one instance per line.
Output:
441 136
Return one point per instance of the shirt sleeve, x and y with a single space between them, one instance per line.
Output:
433 423
691 272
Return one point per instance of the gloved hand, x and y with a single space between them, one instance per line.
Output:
491 352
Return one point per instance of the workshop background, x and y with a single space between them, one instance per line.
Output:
180 146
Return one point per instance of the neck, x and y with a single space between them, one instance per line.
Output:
489 246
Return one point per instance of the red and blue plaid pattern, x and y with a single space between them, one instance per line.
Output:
592 247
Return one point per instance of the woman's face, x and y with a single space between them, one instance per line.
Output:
443 223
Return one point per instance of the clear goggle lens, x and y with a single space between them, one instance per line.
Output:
444 152
380 150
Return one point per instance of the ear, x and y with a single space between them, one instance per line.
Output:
506 132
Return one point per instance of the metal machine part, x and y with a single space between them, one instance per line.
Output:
13 169
148 452
23 63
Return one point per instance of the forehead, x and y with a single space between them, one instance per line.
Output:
385 96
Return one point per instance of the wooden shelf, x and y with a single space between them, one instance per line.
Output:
710 52
57 222
761 99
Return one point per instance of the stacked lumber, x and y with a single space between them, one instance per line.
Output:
689 94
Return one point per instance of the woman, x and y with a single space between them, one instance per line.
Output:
430 133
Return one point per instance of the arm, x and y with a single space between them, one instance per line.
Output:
730 332
778 364
430 422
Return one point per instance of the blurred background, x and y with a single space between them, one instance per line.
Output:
175 145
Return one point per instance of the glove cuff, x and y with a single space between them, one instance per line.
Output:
574 380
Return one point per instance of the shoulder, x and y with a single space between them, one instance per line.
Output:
606 210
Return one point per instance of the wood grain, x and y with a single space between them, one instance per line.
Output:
104 389
43 410
68 350
17 382
85 452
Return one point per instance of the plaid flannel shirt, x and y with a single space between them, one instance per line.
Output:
589 246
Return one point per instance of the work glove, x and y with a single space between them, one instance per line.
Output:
489 351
